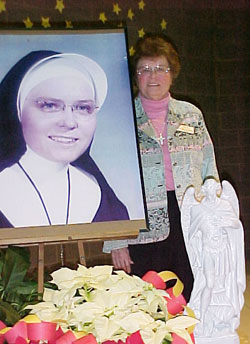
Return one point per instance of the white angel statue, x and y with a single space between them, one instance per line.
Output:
214 239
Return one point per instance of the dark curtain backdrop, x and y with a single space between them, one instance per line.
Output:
212 38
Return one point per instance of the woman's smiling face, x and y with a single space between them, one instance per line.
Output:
153 85
62 135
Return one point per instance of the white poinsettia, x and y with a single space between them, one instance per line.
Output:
111 300
179 324
109 305
64 297
47 311
135 321
106 328
155 334
86 312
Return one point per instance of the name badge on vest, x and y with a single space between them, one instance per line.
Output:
185 129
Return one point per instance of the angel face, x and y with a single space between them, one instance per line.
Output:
211 188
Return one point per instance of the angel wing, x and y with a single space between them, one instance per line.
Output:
187 203
228 193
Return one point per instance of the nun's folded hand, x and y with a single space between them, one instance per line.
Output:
121 259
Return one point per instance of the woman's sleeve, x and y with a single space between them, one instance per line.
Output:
109 246
209 168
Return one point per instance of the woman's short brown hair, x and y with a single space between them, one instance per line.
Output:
154 45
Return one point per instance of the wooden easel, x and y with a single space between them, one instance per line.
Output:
79 233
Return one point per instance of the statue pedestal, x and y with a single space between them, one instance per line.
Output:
226 339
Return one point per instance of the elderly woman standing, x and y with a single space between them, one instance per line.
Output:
176 152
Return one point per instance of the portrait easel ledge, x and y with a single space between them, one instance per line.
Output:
63 234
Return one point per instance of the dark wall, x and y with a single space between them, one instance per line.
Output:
212 38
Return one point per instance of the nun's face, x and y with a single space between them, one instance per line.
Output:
59 118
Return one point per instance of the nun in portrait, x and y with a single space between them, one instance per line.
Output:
48 107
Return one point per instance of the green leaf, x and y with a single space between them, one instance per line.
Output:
166 341
16 264
26 288
16 290
8 314
1 260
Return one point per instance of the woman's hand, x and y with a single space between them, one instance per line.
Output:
121 259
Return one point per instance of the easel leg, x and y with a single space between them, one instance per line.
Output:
40 268
81 252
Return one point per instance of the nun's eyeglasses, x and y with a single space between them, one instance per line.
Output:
80 107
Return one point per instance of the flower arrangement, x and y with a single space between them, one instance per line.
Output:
106 307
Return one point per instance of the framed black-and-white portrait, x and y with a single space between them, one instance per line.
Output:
68 145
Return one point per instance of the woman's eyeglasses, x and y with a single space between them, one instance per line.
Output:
146 70
80 107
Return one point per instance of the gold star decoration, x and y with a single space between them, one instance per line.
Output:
130 14
163 24
2 6
59 5
69 24
45 22
141 5
102 17
28 23
131 50
116 9
141 33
